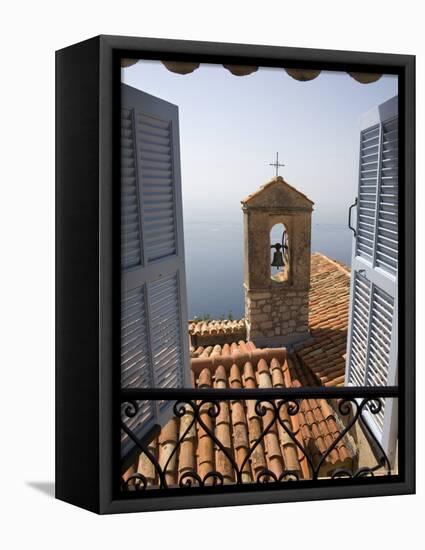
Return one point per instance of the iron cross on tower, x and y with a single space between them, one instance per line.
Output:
276 164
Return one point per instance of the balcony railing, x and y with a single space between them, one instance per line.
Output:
274 411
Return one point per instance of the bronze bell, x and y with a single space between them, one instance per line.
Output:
278 256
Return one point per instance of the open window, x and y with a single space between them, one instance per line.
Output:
310 324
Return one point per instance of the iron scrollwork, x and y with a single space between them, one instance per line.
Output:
271 408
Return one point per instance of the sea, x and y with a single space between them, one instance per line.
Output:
214 263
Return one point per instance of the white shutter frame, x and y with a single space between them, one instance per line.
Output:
379 276
156 136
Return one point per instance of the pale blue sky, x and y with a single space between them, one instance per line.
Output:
231 128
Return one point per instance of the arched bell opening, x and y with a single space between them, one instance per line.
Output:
279 253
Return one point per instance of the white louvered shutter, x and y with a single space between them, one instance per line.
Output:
372 341
154 322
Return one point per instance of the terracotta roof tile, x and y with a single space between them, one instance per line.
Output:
167 445
145 466
205 333
221 358
239 425
324 353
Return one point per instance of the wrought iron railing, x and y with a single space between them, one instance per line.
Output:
275 407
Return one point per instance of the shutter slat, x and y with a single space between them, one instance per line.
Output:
157 190
163 298
152 121
359 329
380 342
371 326
378 202
135 362
387 250
367 191
130 224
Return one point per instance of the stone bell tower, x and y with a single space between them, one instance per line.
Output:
276 307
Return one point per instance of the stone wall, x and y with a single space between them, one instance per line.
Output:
276 313
276 316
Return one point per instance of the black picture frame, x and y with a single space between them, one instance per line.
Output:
87 278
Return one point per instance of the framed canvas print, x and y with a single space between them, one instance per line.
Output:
235 274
